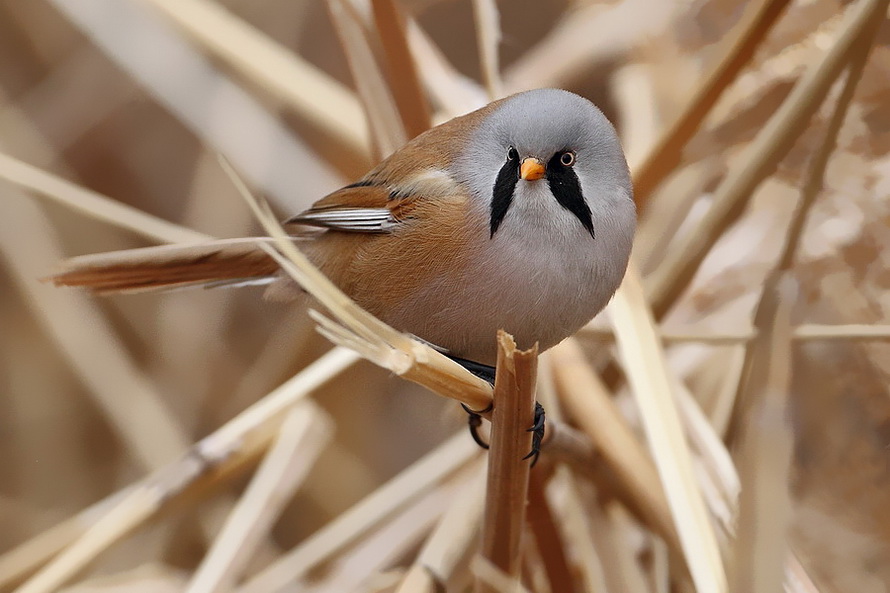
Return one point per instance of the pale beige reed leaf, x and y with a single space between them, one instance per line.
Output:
646 369
488 38
94 204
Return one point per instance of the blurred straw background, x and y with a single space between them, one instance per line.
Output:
734 394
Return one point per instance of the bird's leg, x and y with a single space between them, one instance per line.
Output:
486 373
474 419
537 431
483 371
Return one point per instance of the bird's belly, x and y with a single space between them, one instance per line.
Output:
532 291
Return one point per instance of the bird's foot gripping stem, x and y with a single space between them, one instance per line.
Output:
538 428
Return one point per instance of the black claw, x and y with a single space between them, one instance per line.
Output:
538 429
474 419
487 373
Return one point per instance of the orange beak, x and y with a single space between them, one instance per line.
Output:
531 169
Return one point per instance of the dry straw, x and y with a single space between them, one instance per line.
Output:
663 469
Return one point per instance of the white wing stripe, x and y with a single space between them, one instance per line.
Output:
366 220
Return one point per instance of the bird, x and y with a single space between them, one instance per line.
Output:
517 216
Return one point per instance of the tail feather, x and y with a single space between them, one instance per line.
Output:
169 266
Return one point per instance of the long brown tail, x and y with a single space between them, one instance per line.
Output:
169 266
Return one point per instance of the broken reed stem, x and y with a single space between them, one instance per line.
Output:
508 472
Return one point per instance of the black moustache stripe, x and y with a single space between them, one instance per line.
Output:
502 196
566 189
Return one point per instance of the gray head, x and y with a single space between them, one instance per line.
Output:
542 155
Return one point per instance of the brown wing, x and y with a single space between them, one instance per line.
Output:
364 207
419 171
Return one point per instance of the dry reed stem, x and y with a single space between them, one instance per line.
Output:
387 131
726 386
303 435
588 36
455 93
765 458
771 144
508 469
648 375
404 82
816 171
738 50
493 578
488 38
418 579
796 578
588 402
355 569
542 522
804 332
575 528
78 328
210 460
450 542
309 92
19 563
93 204
612 528
252 137
712 454
810 191
413 482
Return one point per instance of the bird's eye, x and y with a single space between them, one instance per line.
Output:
512 155
567 158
